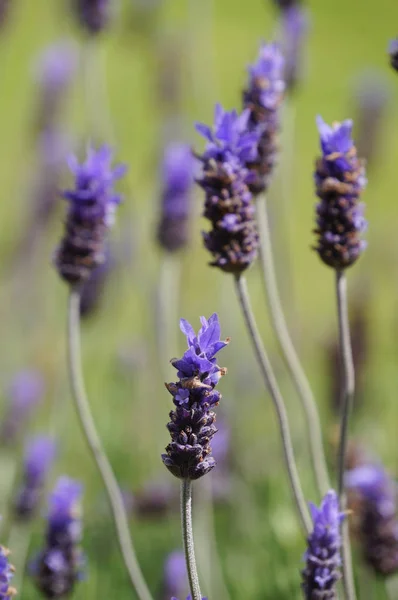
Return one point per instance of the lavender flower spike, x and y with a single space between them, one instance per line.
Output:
6 575
372 494
192 421
93 15
263 98
177 176
59 565
175 579
39 456
92 205
322 557
233 239
24 394
339 180
294 25
393 52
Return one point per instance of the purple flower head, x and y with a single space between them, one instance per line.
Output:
93 15
322 556
372 494
294 25
262 98
92 205
188 598
233 239
6 575
175 579
192 421
339 180
24 394
59 565
177 178
4 8
393 52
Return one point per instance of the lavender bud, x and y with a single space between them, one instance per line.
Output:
339 180
191 424
93 15
294 25
92 205
6 575
393 52
177 175
59 565
372 495
38 459
24 394
322 557
263 98
155 499
233 240
175 579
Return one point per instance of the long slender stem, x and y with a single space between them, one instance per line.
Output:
272 386
347 394
187 537
94 444
289 353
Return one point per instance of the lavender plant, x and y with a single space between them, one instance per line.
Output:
7 591
339 180
294 28
59 566
192 423
93 15
393 52
24 394
92 204
175 580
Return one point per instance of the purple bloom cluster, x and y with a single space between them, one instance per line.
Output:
373 497
39 456
93 15
59 565
233 239
6 575
24 394
393 52
92 204
175 579
263 98
177 177
339 180
192 421
294 24
322 557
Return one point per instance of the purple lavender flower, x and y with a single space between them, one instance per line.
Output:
92 289
39 456
175 579
233 240
339 179
322 557
59 565
92 204
6 575
93 15
54 72
372 495
294 25
24 394
191 424
4 8
177 176
263 98
284 4
393 52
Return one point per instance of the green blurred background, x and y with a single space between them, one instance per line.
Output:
206 45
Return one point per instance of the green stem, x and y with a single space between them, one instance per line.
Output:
187 537
288 351
273 389
94 444
347 394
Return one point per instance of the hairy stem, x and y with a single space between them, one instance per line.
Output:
289 353
273 389
187 538
347 395
94 444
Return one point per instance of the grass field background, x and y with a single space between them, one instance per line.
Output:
259 541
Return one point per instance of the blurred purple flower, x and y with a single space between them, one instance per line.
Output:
393 52
92 204
175 579
322 557
177 178
92 289
4 8
6 575
24 394
59 565
221 444
39 457
93 15
373 496
192 421
294 29
339 180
